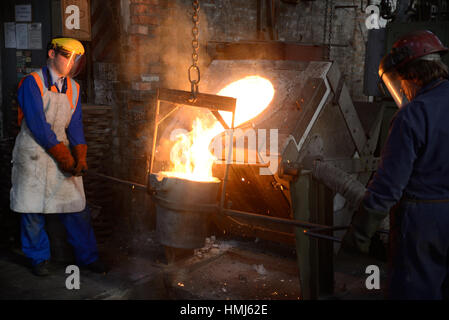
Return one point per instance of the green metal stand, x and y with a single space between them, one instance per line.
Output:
313 202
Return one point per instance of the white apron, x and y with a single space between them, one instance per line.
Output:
38 185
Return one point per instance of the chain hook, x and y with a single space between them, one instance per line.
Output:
194 82
194 92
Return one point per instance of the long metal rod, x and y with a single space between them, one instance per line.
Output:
220 119
130 183
167 115
228 162
333 228
313 227
156 126
321 236
296 223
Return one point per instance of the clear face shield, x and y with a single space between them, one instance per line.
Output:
75 62
399 89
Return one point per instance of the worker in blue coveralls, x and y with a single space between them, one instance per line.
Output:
413 175
49 159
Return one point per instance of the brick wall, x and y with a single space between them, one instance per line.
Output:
139 74
130 86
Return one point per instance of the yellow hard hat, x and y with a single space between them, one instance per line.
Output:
68 44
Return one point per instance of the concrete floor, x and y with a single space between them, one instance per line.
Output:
223 270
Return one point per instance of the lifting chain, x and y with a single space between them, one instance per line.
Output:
195 46
331 16
326 9
328 27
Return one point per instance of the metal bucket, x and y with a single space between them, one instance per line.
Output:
183 209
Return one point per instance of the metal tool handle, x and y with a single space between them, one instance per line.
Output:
130 183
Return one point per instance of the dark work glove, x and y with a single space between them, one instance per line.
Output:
63 157
80 152
365 223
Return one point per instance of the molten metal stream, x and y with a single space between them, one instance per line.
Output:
190 156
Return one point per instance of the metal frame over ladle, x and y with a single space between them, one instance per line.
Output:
214 103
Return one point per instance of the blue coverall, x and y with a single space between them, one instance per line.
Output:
414 171
35 243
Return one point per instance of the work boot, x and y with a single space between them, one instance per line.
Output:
41 269
97 266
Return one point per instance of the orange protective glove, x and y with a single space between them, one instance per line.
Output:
63 157
79 152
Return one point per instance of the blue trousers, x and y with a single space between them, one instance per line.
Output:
80 234
420 247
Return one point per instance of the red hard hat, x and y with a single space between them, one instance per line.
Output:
409 47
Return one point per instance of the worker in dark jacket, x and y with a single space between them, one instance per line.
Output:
49 159
413 175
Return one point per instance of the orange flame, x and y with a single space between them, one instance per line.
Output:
190 155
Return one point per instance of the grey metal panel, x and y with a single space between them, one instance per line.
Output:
367 164
348 110
375 50
305 246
